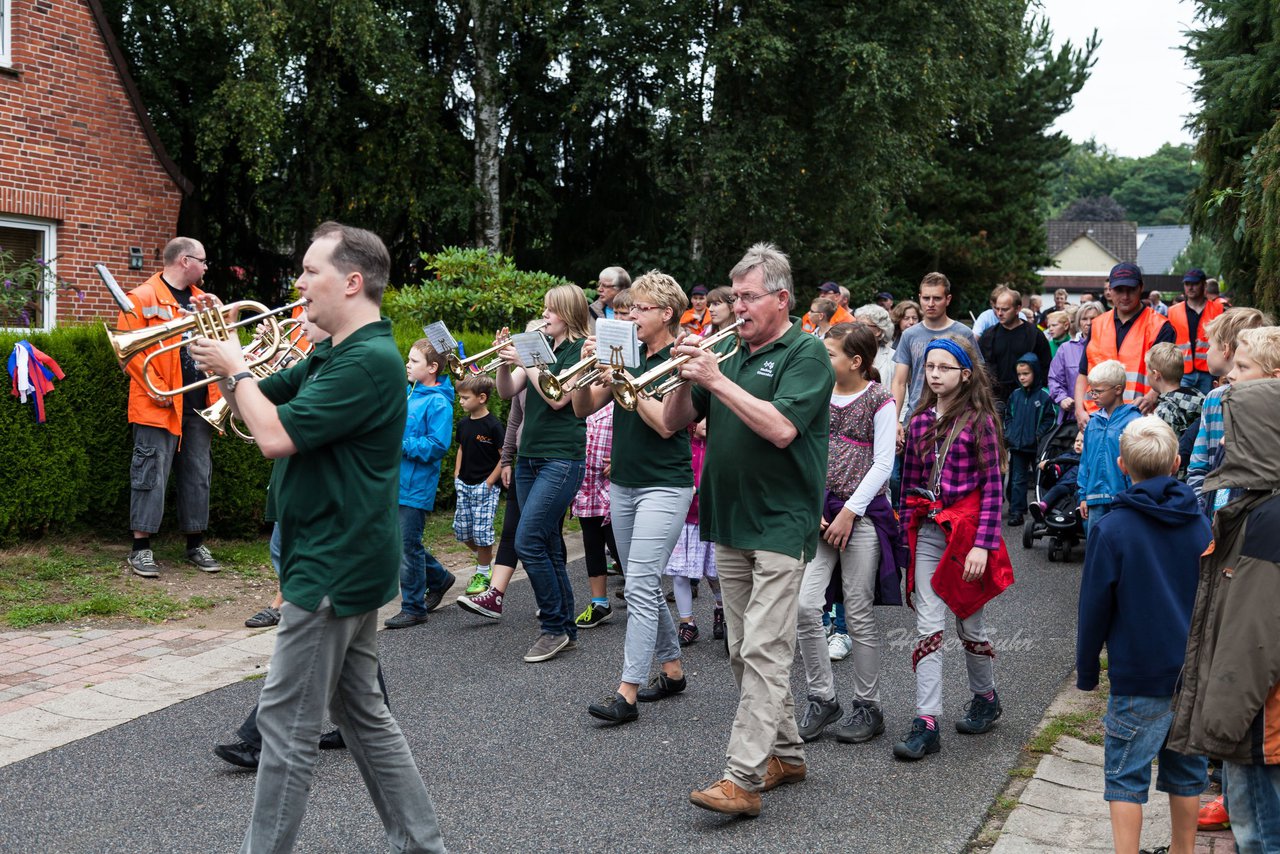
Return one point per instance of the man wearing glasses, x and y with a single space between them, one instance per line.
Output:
762 489
168 432
611 282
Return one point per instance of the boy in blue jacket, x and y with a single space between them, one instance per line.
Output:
427 435
1099 477
1029 417
1141 570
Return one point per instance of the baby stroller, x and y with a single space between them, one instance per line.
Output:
1060 519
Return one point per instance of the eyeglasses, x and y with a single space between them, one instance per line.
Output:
635 306
1096 393
752 299
941 369
204 261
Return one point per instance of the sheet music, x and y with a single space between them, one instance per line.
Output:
617 343
533 349
438 334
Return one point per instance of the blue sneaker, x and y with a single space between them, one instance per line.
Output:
918 743
980 715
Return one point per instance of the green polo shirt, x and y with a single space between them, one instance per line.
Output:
640 456
555 434
335 500
755 495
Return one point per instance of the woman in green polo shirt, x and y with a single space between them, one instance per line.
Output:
651 488
549 467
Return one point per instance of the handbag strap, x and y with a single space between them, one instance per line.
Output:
935 477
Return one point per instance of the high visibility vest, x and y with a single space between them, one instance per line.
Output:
842 315
1194 352
1133 353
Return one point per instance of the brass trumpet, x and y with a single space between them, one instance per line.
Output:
570 379
459 367
218 414
627 391
209 323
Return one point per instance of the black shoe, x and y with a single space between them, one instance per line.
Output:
661 687
687 633
717 624
404 620
1015 521
241 754
264 619
918 743
332 741
863 723
435 597
817 715
614 709
980 715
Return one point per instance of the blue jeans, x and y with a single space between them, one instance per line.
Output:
1137 729
1255 806
1202 380
1020 462
546 488
419 570
1096 512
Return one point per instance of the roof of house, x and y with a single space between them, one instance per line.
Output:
1119 239
135 98
1160 245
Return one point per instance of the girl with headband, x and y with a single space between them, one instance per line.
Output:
951 487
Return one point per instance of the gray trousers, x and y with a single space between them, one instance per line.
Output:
931 615
646 526
156 451
760 590
859 569
323 660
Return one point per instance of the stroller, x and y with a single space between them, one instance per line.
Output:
1060 520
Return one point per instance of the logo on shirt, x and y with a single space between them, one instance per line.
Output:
766 370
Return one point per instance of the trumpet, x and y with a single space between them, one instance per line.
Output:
571 379
459 367
209 323
627 391
218 413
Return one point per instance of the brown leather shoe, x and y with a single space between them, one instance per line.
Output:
726 796
778 772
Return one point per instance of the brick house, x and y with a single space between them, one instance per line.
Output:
83 176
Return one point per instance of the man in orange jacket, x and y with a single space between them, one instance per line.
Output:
1190 319
168 432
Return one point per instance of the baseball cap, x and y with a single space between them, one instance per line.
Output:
1125 275
699 291
884 295
1194 275
829 288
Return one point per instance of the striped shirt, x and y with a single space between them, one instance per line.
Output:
592 499
1207 440
972 463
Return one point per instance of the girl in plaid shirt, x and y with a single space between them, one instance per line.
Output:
952 475
591 506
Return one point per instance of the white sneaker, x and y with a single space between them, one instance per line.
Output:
839 646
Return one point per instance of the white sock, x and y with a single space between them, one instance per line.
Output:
486 570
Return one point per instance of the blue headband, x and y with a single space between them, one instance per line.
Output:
953 348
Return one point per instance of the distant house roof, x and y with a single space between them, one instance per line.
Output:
1160 245
1119 239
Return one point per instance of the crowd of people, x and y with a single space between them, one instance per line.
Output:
889 443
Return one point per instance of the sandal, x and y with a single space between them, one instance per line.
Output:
264 619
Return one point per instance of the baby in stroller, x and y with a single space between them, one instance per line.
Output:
1054 514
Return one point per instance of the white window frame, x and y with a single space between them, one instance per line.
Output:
49 229
6 42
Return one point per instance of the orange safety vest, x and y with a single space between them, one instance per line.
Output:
1194 353
153 305
1133 353
842 315
694 324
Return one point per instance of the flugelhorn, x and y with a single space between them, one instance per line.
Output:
218 413
208 323
627 391
459 367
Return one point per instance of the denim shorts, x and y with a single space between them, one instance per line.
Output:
1137 730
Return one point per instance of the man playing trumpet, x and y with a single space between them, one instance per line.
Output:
168 432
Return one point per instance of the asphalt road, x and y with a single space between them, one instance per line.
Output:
514 763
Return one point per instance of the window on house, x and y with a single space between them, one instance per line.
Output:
6 52
28 298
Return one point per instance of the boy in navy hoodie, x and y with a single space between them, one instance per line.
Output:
1029 416
1141 570
428 432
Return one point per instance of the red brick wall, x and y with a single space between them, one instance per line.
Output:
73 149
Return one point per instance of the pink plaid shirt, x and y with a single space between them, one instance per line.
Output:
972 463
593 498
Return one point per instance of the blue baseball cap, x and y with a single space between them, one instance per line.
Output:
829 288
1125 275
1194 275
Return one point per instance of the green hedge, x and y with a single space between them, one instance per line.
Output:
73 470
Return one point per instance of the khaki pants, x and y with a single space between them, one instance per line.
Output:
760 591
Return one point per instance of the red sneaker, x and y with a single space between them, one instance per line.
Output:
1213 816
486 604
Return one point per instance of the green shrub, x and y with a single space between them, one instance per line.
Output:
472 290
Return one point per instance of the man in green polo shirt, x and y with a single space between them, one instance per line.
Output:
338 417
762 488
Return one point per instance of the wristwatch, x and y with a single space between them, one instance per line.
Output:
233 380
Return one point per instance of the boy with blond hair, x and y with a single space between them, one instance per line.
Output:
1178 405
1099 477
1137 592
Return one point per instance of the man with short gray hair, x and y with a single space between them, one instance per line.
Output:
611 282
